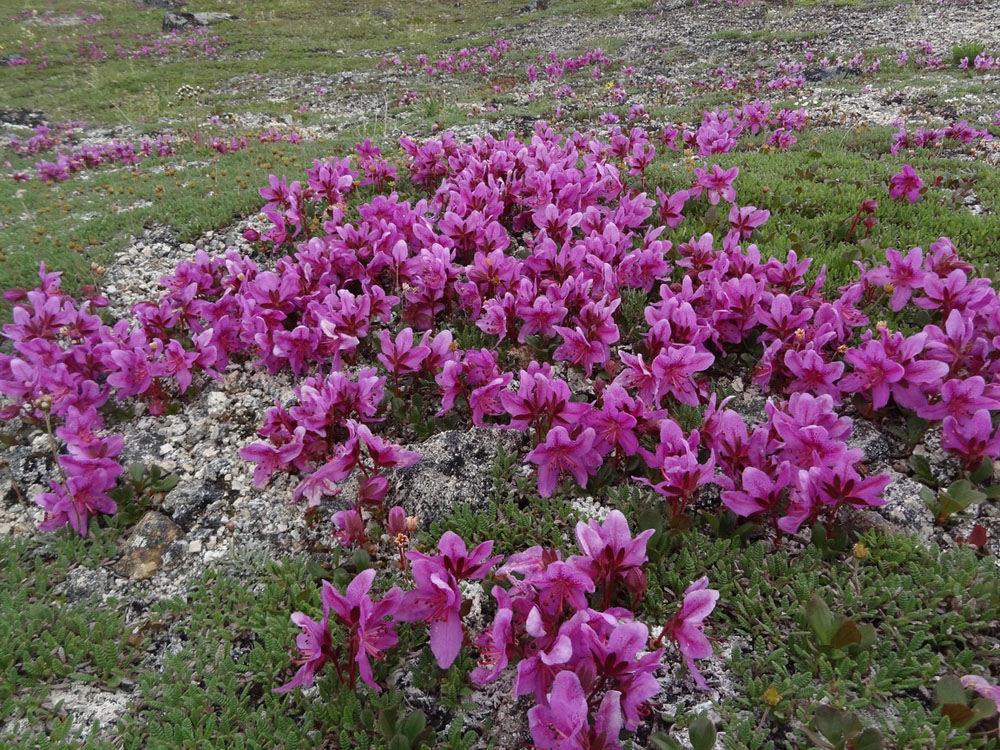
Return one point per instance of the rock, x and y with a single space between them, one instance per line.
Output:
217 404
822 75
145 545
27 118
89 706
454 469
183 21
905 509
873 444
161 4
185 501
83 583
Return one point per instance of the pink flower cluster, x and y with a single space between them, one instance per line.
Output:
924 137
46 138
476 59
589 671
93 157
721 130
112 45
535 243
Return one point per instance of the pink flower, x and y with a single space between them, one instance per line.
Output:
438 601
906 183
744 220
718 183
687 624
561 454
904 274
314 645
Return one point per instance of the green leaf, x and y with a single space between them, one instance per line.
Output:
361 559
167 483
831 723
870 739
137 470
820 619
702 733
983 472
414 724
949 690
662 741
922 469
964 494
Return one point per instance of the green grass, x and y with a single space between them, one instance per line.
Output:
933 613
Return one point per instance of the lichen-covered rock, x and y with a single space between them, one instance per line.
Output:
874 444
183 21
145 546
188 499
905 509
454 469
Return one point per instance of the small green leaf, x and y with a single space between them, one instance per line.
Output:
870 739
414 724
831 723
949 690
137 471
361 559
662 741
820 619
983 472
702 733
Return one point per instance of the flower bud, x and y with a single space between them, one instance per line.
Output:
397 521
250 234
411 524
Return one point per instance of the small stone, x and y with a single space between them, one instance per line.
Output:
195 547
144 546
217 404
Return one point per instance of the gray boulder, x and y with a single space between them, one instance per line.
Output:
175 20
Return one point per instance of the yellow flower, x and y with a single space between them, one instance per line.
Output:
860 550
772 697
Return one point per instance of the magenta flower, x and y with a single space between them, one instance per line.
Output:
269 457
671 206
745 219
904 274
561 454
401 356
555 726
456 559
610 554
674 369
536 672
718 183
760 493
494 645
962 398
438 601
369 623
874 372
687 624
972 439
982 686
907 183
813 374
314 645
